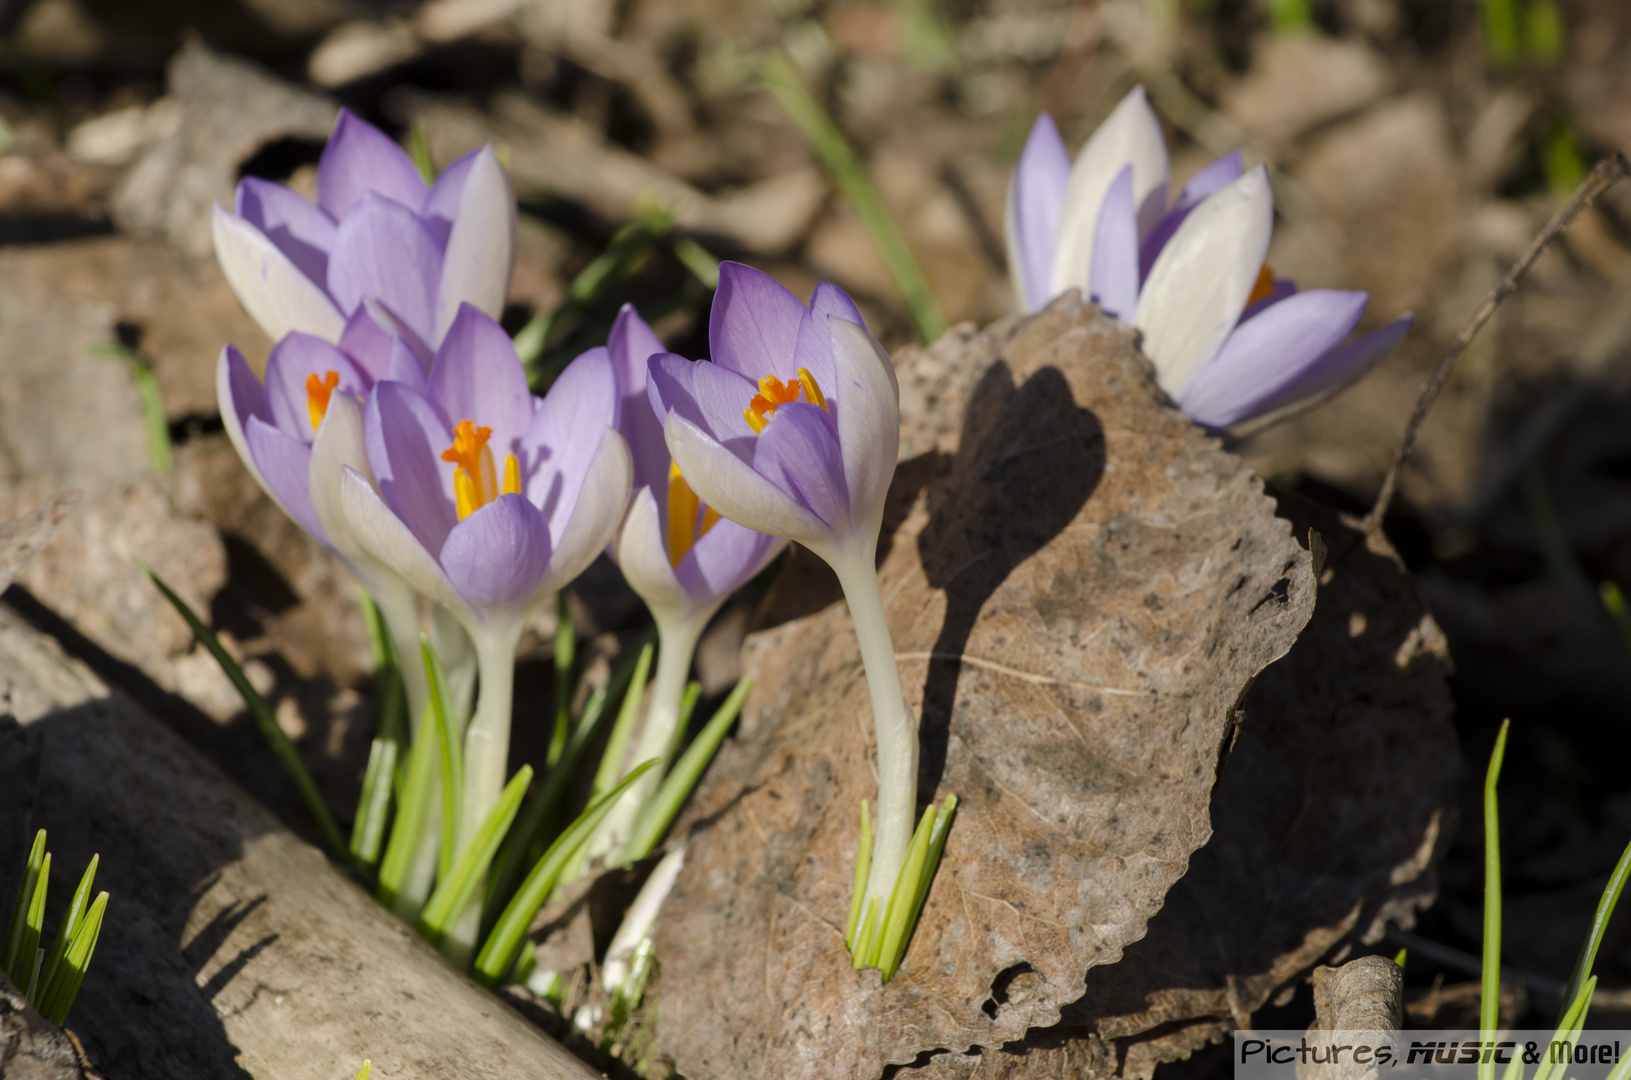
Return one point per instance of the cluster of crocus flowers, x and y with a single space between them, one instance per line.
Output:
793 430
1232 345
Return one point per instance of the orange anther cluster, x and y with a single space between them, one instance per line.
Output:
1263 288
684 529
469 442
774 393
318 392
475 482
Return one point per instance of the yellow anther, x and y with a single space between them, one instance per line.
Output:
1263 288
683 529
474 482
512 475
774 393
317 395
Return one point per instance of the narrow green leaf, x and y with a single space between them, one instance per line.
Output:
925 878
264 718
452 757
856 184
611 760
1614 602
1574 1018
374 807
1599 925
682 720
527 835
70 924
497 955
863 863
419 151
1501 32
1547 36
1290 16
865 939
424 759
28 949
17 924
892 940
1489 1004
699 260
1401 956
566 644
658 814
385 752
362 1073
454 891
76 962
154 420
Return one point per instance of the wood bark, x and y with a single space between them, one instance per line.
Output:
231 948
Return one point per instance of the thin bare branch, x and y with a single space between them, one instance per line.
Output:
1605 175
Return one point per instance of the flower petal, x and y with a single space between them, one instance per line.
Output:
392 324
1036 199
868 420
340 444
284 464
630 346
705 394
383 535
382 250
1114 284
300 230
1202 279
1213 176
477 377
753 328
271 288
480 250
1330 374
565 434
642 554
731 486
1131 135
724 559
813 350
1267 354
406 436
442 203
798 451
407 368
359 159
603 496
291 362
497 556
239 396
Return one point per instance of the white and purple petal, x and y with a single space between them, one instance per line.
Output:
1114 281
1036 201
564 435
359 159
478 377
730 485
298 229
631 345
277 295
798 451
497 555
480 248
291 362
382 251
406 436
753 327
284 464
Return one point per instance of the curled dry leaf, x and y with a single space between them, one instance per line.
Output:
1329 817
1081 585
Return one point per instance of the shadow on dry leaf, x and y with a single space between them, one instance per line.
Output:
1079 596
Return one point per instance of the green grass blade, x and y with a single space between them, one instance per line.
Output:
497 955
17 924
154 420
1546 34
863 863
892 939
385 752
70 923
362 1073
454 890
682 720
1614 602
1599 926
920 889
566 646
1290 16
264 718
1574 1018
658 814
446 734
75 963
28 948
699 260
527 835
857 187
1489 1002
424 760
419 151
618 743
1501 32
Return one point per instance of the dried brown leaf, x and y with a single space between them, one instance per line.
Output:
1081 587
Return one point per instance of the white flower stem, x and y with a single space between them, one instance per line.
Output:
486 758
677 635
640 918
894 726
400 612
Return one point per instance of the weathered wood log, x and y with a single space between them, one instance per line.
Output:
231 948
1364 995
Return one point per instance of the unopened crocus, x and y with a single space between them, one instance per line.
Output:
295 433
793 430
487 500
1233 346
381 252
676 552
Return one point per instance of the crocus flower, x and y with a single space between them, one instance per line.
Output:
380 245
793 430
487 501
676 552
295 433
1234 347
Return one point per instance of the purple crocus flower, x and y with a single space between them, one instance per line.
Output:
487 501
379 247
676 552
793 430
1233 346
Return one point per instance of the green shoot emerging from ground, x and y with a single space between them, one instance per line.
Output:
50 979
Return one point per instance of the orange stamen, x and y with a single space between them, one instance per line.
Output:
318 392
774 393
1263 288
474 482
683 506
